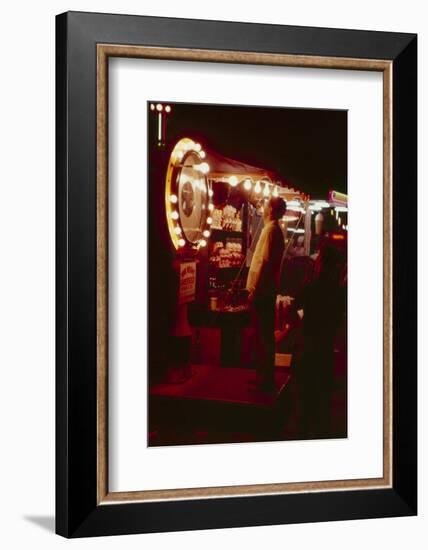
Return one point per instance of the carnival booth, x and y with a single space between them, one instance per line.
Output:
214 215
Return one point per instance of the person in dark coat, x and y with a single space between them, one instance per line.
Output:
323 305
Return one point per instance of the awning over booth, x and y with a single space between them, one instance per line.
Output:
222 167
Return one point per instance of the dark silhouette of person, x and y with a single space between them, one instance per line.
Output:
323 303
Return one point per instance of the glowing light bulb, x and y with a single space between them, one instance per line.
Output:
173 198
247 184
168 109
152 106
275 191
204 167
203 242
202 154
181 242
233 181
177 230
210 192
174 215
198 147
210 207
266 191
257 188
209 220
159 107
206 233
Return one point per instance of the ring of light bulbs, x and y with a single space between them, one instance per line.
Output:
182 150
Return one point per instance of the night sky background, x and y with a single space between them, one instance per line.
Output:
306 147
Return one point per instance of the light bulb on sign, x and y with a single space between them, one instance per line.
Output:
168 109
257 188
275 191
206 233
202 154
203 242
181 242
209 220
233 181
159 107
247 184
173 199
174 215
204 167
177 230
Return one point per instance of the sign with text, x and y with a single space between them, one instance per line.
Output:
187 287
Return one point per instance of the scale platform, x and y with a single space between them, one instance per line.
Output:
219 384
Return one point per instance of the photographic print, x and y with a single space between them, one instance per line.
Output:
247 274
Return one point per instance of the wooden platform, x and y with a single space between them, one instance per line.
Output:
227 385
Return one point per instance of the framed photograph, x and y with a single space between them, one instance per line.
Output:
236 274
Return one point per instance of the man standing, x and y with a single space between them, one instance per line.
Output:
262 286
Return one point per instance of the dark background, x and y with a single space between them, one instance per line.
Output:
306 147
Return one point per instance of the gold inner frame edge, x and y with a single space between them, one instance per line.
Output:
104 51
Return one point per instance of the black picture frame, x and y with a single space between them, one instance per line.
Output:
78 513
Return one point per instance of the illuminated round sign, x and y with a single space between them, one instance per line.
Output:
187 196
